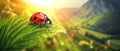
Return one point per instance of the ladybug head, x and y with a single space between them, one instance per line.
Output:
48 20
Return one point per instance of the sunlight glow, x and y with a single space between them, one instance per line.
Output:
40 2
55 9
57 3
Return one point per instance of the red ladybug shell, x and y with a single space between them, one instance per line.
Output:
38 17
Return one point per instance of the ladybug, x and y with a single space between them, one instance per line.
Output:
40 18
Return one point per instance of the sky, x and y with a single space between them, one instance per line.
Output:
69 3
59 3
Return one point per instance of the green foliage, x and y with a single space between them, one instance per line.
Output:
18 33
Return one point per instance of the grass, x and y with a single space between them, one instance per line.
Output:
19 33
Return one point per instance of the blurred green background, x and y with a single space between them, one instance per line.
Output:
91 26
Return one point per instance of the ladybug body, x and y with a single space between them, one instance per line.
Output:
40 18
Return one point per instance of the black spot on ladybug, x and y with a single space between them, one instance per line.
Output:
45 15
40 19
38 12
35 18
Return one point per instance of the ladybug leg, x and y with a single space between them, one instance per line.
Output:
32 23
40 25
45 24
